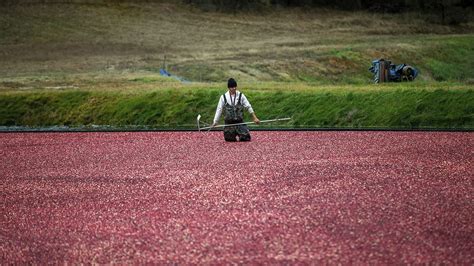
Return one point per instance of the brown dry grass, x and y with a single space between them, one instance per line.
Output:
101 41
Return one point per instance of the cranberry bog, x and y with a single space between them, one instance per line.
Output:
336 197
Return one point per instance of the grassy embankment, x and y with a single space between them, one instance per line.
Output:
74 64
405 106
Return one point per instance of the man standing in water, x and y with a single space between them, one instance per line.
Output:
233 103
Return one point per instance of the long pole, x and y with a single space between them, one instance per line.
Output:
246 123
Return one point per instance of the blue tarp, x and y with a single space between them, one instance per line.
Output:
167 74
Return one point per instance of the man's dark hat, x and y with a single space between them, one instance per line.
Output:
231 83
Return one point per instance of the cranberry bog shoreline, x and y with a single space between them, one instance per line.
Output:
191 198
441 106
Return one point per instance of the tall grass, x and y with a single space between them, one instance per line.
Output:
393 107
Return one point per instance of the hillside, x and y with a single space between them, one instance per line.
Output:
103 41
86 64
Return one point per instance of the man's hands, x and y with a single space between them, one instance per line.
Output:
255 119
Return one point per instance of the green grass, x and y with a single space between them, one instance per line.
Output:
86 63
452 59
392 107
